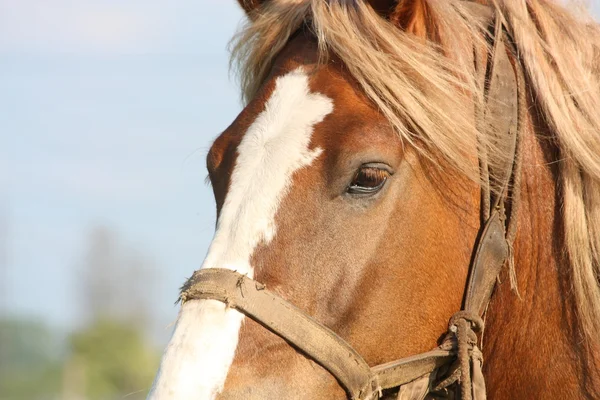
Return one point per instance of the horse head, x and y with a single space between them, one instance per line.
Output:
350 187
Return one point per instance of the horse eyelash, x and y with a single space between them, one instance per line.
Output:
375 173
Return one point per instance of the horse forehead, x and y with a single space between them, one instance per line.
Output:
353 124
273 136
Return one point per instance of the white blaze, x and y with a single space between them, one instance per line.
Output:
198 357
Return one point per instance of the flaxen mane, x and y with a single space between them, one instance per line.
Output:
412 74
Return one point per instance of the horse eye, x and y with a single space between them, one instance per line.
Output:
368 180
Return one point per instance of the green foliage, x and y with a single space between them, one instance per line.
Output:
115 360
109 359
30 368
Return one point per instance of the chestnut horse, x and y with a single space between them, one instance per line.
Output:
350 186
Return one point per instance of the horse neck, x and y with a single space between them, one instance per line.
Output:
533 346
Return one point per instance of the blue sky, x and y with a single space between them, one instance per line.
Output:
108 108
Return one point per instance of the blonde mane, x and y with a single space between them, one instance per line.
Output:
412 75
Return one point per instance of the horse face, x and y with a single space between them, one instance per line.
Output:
318 199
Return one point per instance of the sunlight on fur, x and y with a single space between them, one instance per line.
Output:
413 77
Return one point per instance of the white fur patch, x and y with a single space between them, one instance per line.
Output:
198 357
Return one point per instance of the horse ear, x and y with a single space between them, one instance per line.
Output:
250 5
412 16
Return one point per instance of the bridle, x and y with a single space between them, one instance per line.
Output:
458 358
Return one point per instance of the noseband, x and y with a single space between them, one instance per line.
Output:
458 359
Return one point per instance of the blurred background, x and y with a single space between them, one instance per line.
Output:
107 110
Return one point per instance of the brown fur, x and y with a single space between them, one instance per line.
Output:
533 346
386 275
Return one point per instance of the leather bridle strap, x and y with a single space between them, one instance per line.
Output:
324 346
314 339
504 103
284 319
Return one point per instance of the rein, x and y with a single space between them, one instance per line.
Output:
458 359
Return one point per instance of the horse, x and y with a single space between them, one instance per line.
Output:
362 189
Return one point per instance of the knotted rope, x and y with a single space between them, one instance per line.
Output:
463 328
